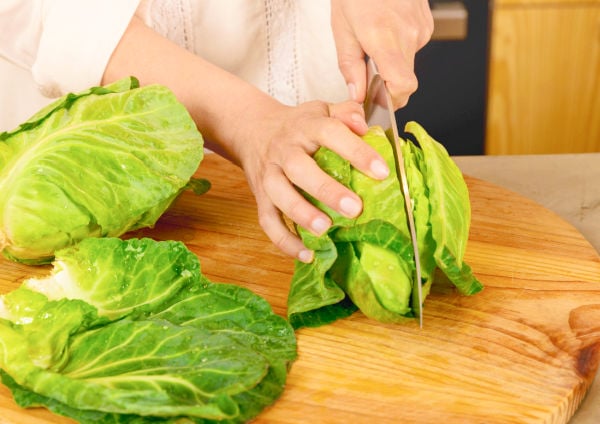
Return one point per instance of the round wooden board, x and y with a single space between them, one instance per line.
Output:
523 350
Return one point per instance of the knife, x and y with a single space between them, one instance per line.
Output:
379 110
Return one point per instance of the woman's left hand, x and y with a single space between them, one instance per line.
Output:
277 157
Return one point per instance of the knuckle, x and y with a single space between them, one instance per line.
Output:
272 224
429 24
430 29
264 220
281 239
325 191
403 101
360 155
347 62
412 84
269 178
293 168
413 33
404 90
280 235
295 209
332 129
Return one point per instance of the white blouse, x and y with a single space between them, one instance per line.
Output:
51 47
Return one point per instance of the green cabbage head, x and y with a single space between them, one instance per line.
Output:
93 164
367 263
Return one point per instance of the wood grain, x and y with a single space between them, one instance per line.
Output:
544 77
524 350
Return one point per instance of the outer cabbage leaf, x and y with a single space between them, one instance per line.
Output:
450 216
421 212
98 163
114 276
367 263
128 329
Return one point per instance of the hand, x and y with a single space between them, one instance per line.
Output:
389 31
273 143
278 158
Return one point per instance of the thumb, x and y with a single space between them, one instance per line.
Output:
351 61
354 69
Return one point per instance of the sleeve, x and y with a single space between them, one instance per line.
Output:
65 43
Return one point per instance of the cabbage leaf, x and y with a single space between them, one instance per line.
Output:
131 331
367 263
97 163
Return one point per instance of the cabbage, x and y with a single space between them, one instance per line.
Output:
98 163
131 331
367 263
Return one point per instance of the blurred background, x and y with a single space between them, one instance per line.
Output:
511 77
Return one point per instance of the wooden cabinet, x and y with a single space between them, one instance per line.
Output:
544 77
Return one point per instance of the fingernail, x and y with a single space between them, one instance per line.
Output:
319 225
379 169
306 256
352 91
350 207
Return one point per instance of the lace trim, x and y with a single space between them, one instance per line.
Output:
172 19
282 57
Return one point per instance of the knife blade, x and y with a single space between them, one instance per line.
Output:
379 110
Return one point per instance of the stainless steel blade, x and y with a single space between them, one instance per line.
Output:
379 111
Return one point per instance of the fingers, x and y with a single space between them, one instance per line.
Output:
350 55
390 32
336 137
283 198
321 186
291 203
397 72
280 165
272 223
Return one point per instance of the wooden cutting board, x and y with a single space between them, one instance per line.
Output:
525 350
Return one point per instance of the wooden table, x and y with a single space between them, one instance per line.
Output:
524 350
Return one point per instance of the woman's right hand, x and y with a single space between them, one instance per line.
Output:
390 32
